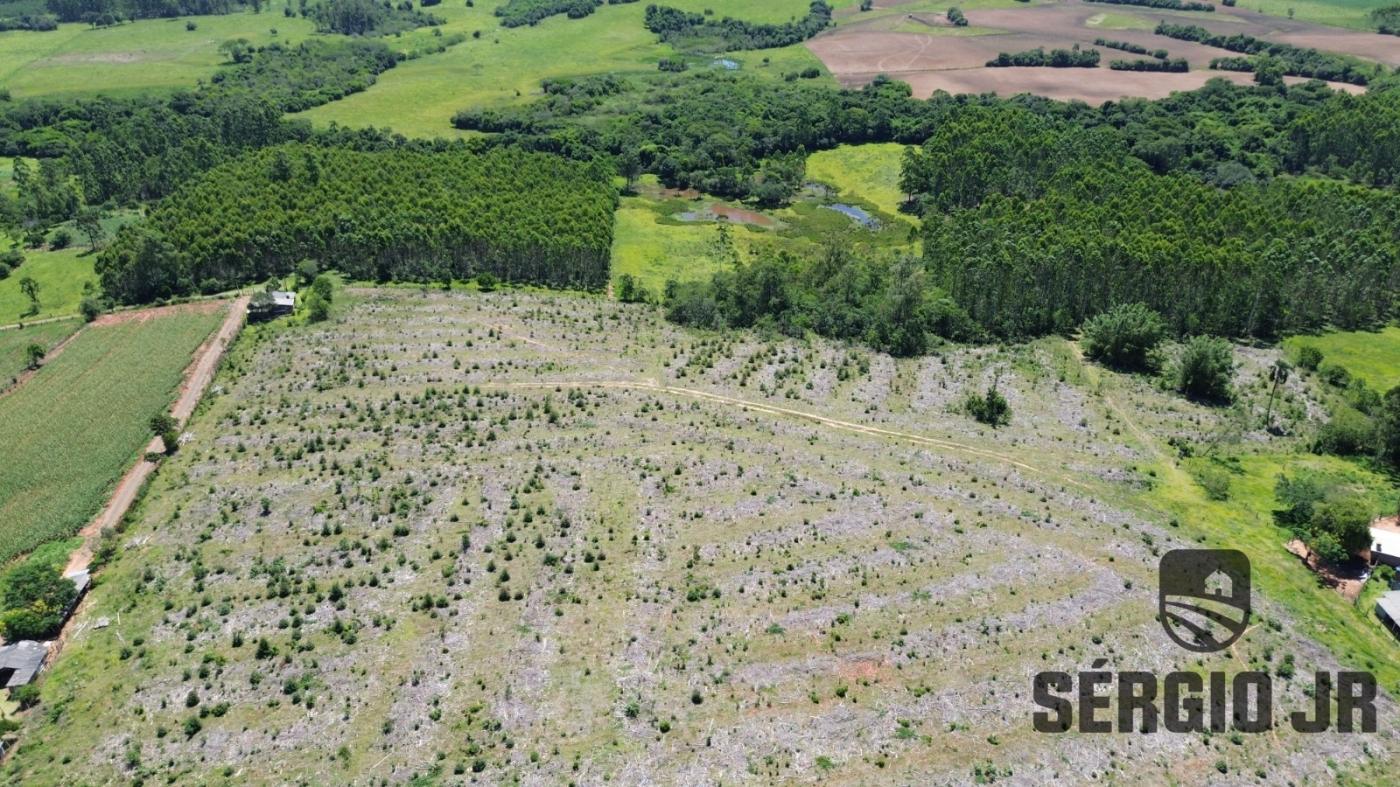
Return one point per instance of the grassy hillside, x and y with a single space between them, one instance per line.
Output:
505 66
15 342
73 428
60 275
868 173
132 57
1372 356
1340 13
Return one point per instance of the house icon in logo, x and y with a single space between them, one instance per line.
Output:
1203 597
1220 585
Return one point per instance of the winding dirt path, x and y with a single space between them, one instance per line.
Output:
197 378
772 409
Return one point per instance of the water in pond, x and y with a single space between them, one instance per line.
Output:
727 64
860 216
718 211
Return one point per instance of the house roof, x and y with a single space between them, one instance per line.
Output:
284 298
25 657
81 579
1389 605
1385 541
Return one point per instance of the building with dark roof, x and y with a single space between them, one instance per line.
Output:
21 661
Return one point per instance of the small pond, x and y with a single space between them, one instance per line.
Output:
859 215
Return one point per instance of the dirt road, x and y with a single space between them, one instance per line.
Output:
197 378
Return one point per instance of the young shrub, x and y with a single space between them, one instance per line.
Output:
1204 370
990 408
1347 433
1215 481
1309 358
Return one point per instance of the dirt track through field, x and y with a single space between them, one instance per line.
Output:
197 378
833 423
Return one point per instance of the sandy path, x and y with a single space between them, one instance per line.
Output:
197 378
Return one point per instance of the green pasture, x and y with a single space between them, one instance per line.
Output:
1245 522
15 342
73 428
60 276
133 57
506 66
1372 356
653 248
867 173
1338 13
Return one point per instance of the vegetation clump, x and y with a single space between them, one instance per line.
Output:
1205 369
1125 337
1332 519
698 32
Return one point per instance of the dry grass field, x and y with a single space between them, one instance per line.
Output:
539 538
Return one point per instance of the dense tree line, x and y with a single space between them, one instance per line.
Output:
1128 46
365 17
1296 61
1357 137
886 303
394 214
1175 5
311 73
711 131
1055 58
1251 261
110 11
700 32
518 13
1177 65
35 22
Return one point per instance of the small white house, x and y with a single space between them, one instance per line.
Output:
1385 546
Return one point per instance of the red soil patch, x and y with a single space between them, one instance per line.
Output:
861 670
144 315
740 215
1346 579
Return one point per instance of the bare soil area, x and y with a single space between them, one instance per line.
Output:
860 50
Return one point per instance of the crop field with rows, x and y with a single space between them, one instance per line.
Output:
73 428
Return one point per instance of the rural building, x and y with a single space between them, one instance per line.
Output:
1385 546
266 305
1388 610
21 661
81 580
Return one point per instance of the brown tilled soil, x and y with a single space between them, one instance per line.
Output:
859 51
143 315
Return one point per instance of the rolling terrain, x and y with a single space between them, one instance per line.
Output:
539 537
